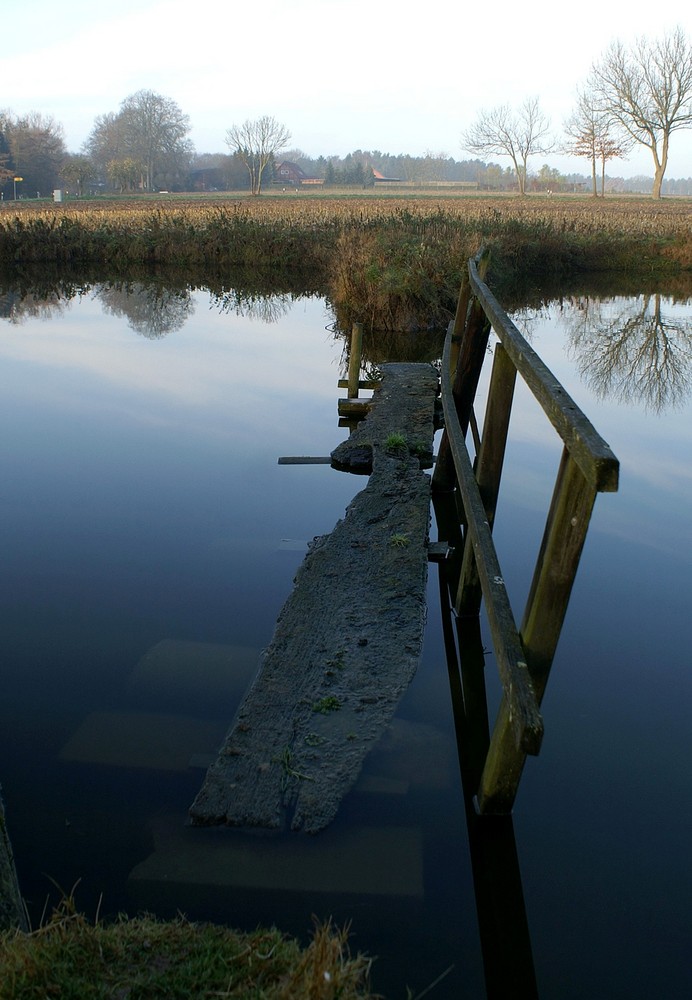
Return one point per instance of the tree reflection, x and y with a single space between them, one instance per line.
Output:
251 305
632 349
152 310
17 308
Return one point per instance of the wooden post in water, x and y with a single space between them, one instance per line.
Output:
556 567
459 322
354 360
489 469
470 354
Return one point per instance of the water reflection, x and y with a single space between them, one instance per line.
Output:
152 310
132 527
633 349
265 308
153 304
502 921
17 308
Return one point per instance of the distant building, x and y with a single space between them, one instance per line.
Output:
381 179
208 179
291 175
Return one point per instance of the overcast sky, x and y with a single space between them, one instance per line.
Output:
340 74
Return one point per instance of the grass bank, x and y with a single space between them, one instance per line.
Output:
141 958
393 263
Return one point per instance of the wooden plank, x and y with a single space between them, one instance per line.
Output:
367 384
590 451
401 405
439 551
347 641
305 460
354 407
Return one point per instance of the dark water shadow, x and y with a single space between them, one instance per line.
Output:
502 921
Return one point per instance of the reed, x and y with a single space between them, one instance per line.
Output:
392 263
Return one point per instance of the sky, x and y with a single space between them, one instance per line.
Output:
341 75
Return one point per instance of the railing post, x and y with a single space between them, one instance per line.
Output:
556 567
489 469
354 360
460 321
469 356
471 353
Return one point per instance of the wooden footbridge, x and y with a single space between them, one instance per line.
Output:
349 638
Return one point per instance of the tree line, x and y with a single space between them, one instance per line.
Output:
633 97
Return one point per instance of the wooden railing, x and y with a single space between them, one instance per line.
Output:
465 495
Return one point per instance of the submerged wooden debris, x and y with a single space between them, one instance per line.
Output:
348 639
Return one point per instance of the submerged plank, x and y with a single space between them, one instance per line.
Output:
346 645
370 860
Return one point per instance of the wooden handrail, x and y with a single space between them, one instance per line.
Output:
588 466
591 453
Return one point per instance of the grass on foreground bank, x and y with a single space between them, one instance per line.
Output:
142 958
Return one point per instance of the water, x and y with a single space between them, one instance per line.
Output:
149 539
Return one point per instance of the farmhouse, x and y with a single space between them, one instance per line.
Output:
293 175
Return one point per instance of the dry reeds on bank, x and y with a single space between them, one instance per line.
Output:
393 263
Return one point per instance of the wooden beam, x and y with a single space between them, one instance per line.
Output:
590 451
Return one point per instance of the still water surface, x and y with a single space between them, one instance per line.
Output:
149 539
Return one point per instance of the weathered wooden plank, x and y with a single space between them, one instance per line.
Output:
345 647
356 408
362 384
400 407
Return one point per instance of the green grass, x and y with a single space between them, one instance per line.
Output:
395 441
143 958
330 703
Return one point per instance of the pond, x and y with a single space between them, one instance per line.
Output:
149 540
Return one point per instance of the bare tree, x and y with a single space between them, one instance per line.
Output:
517 134
255 143
596 136
648 91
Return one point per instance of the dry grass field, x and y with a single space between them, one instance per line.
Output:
624 214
